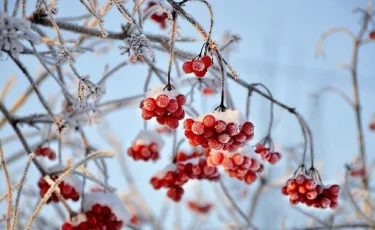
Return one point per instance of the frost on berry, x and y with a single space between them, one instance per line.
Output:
164 105
12 32
266 154
308 190
226 131
146 146
198 66
137 45
242 164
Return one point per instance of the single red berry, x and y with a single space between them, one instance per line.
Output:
200 73
172 106
188 124
209 121
248 128
207 61
198 65
198 128
171 122
372 123
232 129
220 126
181 99
208 91
149 104
67 226
372 35
162 100
223 138
187 67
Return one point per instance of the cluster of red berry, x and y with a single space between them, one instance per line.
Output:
357 172
236 165
199 208
144 152
176 175
266 154
217 134
304 189
99 217
45 152
197 66
182 156
158 17
167 110
67 191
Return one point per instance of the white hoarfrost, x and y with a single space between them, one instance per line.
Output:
146 137
12 31
169 168
71 179
111 200
229 116
158 90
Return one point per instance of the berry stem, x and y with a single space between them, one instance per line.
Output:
171 49
221 107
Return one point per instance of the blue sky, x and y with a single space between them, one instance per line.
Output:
277 49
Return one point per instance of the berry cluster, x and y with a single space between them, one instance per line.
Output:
166 106
158 17
99 217
174 176
199 208
219 130
182 156
197 66
357 172
266 154
146 146
67 191
240 164
304 189
45 152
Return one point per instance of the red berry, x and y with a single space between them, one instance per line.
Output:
67 226
181 99
215 144
162 100
248 128
209 121
200 73
232 129
188 124
197 128
208 91
372 35
372 123
207 61
147 115
172 106
220 126
149 104
187 67
171 122
223 138
198 65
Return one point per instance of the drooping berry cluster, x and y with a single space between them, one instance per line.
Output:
159 18
170 178
219 130
197 66
67 191
306 190
174 176
166 106
45 152
199 208
267 155
240 164
99 217
183 156
146 146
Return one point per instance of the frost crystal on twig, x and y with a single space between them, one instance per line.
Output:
136 46
87 89
12 31
65 53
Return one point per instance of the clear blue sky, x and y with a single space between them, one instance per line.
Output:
278 49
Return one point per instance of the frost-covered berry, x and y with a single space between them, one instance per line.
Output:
164 105
146 146
226 131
